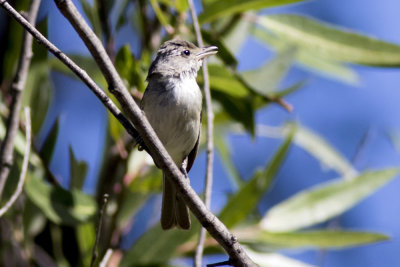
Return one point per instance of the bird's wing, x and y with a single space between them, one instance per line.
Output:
192 155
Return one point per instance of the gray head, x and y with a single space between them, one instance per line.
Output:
178 58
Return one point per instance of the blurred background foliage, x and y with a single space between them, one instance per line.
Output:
54 221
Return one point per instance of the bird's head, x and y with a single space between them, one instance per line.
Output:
179 58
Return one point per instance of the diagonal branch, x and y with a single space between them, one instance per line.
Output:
215 227
210 138
17 87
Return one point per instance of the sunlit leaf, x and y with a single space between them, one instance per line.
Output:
266 79
223 52
313 144
324 201
274 260
221 79
86 235
322 239
59 205
235 39
236 209
218 9
225 155
330 42
330 68
157 246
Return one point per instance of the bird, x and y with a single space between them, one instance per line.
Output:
172 102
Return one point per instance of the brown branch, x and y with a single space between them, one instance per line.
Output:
74 67
24 167
17 87
198 256
216 228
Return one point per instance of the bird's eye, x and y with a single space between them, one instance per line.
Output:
186 52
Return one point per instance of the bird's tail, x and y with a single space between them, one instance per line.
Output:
174 211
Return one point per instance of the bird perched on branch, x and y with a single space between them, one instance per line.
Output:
172 103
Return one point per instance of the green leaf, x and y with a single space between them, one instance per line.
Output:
240 109
129 68
86 236
225 154
329 68
326 41
49 145
85 62
181 5
78 171
323 239
236 210
219 9
92 15
313 144
39 87
274 259
223 52
324 201
235 39
157 246
59 205
266 79
221 79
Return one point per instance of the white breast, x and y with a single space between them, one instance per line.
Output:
174 113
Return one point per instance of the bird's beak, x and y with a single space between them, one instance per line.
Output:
206 52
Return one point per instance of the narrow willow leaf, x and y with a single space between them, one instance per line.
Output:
86 236
219 9
225 155
265 80
329 68
223 52
323 239
274 260
46 152
313 144
59 205
157 246
78 170
93 16
236 210
221 79
333 43
240 109
324 201
235 39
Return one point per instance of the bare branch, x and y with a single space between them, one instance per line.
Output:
18 85
25 162
210 138
216 228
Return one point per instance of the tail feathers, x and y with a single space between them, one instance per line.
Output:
174 211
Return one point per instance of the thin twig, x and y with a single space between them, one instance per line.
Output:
95 253
74 67
24 167
210 138
18 85
214 226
